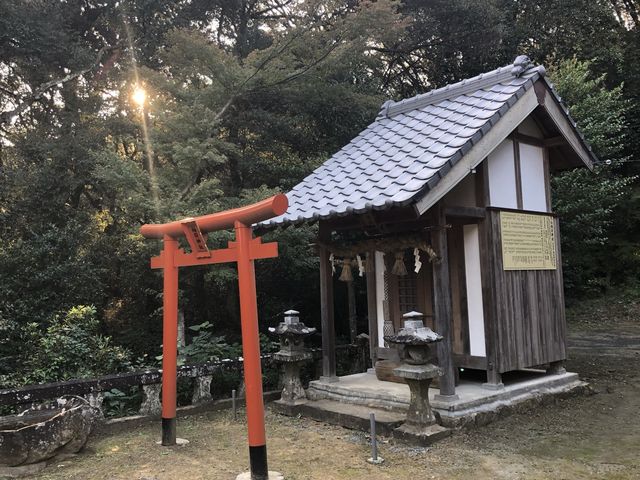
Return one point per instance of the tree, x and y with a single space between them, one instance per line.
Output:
627 12
230 126
586 29
235 114
444 41
591 205
70 347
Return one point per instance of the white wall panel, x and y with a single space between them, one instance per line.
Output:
502 176
379 259
534 194
474 291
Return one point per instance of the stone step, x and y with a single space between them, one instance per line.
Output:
351 416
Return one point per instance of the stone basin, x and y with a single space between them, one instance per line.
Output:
34 436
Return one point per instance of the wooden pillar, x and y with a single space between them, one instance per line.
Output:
494 377
372 306
442 305
353 316
326 308
557 368
487 273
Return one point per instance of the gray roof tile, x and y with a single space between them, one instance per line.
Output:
409 147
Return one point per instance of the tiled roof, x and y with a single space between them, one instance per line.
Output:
409 147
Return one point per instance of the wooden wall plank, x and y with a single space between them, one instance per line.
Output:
529 309
456 326
470 361
460 327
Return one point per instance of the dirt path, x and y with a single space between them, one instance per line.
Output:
596 436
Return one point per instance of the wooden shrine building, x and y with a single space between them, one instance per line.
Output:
443 203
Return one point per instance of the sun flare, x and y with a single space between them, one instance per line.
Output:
139 96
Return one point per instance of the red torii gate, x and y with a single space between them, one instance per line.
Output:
244 250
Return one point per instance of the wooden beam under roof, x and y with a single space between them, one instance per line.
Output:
477 213
567 130
554 141
375 219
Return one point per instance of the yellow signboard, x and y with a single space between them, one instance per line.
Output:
528 241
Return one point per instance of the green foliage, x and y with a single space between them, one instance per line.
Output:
207 347
590 203
122 404
599 110
225 380
52 256
444 41
71 346
544 30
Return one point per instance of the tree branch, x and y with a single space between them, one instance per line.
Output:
304 70
7 116
271 8
224 108
194 180
274 54
8 92
632 8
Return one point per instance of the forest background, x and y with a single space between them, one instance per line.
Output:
244 98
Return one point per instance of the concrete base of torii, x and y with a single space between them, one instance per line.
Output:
272 476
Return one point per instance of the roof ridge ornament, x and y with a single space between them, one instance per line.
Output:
521 64
384 110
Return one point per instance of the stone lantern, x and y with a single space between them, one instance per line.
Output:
414 343
292 355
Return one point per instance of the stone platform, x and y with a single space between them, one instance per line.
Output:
347 415
475 405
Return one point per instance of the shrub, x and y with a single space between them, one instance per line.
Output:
207 347
70 347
